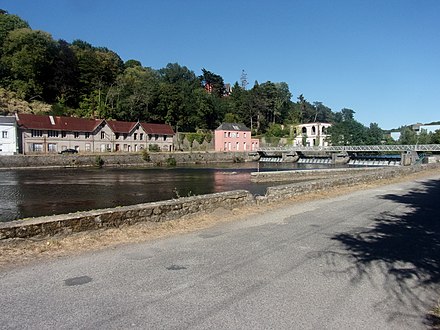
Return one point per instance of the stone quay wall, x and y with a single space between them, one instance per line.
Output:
301 175
65 224
120 159
300 188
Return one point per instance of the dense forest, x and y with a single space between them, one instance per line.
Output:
79 79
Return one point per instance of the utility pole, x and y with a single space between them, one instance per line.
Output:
243 79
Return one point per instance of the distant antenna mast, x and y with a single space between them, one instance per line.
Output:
243 79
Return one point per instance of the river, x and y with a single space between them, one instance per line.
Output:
35 192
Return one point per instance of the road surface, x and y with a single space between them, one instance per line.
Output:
365 260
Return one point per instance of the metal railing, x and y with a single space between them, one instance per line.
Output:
378 148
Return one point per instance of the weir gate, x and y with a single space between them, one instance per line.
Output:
379 155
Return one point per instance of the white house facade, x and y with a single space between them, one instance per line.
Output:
8 135
312 134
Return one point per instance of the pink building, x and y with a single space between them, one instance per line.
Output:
235 138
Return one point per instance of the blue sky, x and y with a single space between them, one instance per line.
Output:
380 58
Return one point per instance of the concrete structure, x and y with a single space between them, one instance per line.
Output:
418 128
8 135
234 137
312 134
52 134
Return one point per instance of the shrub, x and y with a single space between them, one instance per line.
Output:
171 161
153 148
146 155
99 162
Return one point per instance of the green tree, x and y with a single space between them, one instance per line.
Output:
9 23
176 103
407 136
133 96
375 135
98 70
213 82
63 86
27 57
347 131
435 138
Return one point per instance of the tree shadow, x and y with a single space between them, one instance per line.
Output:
403 244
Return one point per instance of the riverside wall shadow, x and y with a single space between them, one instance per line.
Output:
65 224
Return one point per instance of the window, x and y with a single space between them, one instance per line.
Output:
116 136
244 135
52 147
141 136
37 147
226 134
156 137
88 147
52 133
87 135
102 135
36 133
135 136
63 134
76 135
125 136
5 134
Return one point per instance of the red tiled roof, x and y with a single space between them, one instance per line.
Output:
60 123
162 129
121 126
57 123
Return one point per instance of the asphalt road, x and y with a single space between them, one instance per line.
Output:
367 260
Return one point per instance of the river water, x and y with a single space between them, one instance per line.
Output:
35 192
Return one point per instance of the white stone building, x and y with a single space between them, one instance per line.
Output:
312 134
8 135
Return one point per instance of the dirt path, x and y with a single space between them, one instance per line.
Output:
16 252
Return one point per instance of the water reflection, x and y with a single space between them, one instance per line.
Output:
29 193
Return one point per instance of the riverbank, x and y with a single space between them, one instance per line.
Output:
17 251
150 159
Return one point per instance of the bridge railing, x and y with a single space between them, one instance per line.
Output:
378 148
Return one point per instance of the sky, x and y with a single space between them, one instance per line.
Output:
380 58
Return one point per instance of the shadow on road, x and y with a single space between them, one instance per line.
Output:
403 244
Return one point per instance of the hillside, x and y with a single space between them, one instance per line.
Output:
10 103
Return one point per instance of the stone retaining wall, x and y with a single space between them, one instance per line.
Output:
119 159
300 188
300 175
65 224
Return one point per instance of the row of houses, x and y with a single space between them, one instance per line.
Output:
29 133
